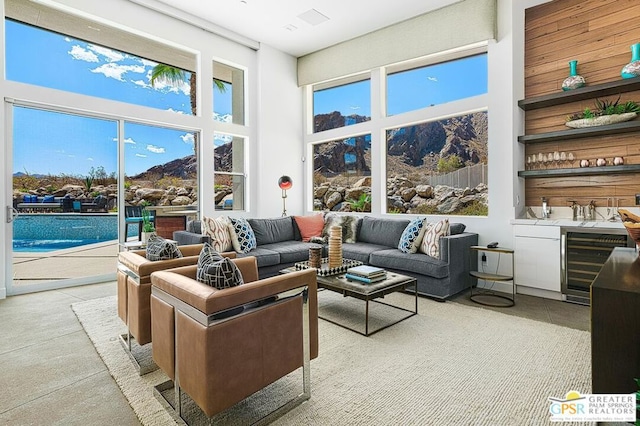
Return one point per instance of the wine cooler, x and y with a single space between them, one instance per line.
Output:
583 252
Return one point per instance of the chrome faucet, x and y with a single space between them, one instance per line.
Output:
546 210
574 207
591 208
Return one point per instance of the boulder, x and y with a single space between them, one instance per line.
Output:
425 191
407 194
181 201
333 199
450 205
365 181
147 194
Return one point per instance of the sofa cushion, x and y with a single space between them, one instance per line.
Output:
384 232
456 228
291 251
242 236
264 257
216 271
269 231
431 240
361 251
348 223
310 226
160 249
412 236
417 263
218 230
194 226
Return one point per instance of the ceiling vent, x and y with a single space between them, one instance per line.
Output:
313 17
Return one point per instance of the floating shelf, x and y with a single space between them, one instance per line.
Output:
587 92
585 132
581 171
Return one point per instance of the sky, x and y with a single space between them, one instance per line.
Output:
55 143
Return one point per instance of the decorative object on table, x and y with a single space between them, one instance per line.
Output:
324 270
148 229
285 183
335 247
574 80
601 162
618 161
585 163
632 69
631 223
366 274
315 257
605 112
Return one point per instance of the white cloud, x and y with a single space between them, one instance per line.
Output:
111 55
127 140
67 39
82 54
163 86
89 159
187 138
355 107
432 79
71 156
115 71
148 63
155 149
141 155
173 110
141 84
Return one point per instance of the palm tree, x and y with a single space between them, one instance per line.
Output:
174 77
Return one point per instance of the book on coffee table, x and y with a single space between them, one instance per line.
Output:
366 271
365 280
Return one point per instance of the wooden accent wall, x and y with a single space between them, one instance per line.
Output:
598 34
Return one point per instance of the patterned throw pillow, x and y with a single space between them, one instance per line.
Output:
218 229
217 271
431 240
242 236
412 236
160 249
348 223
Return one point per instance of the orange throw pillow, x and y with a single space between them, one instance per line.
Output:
310 226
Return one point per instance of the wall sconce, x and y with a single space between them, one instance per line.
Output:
285 183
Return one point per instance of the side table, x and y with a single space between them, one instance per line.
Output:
490 297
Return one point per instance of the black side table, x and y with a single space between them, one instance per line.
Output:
489 297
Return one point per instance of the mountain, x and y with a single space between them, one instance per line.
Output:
333 120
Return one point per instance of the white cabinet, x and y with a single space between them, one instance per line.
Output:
537 256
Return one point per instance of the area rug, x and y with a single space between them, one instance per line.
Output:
451 364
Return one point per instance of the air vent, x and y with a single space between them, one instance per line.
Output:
313 17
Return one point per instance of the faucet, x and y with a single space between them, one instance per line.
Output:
592 210
546 210
575 207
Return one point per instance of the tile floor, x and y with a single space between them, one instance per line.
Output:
51 374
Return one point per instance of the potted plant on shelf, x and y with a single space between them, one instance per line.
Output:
148 228
605 112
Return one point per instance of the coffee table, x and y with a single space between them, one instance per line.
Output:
368 293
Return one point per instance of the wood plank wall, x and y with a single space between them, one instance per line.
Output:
598 34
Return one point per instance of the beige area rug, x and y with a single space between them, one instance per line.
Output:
449 365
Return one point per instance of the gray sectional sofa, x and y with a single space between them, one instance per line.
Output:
279 246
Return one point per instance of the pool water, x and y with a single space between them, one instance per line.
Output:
52 231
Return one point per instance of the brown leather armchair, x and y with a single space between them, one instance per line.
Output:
220 346
134 288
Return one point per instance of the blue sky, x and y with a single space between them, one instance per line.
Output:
53 143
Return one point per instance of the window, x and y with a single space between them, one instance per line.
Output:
228 165
228 94
58 61
439 167
342 175
341 106
436 84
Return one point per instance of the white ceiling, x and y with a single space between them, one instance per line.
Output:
265 20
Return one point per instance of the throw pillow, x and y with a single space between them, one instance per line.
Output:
217 271
160 249
310 226
412 236
218 229
431 240
242 236
348 223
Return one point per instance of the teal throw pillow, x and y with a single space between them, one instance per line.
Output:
412 236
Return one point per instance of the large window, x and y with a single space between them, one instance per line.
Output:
438 167
228 165
342 175
436 84
340 106
58 61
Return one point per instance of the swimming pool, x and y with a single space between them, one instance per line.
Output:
53 231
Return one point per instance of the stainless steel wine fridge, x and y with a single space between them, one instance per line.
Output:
583 252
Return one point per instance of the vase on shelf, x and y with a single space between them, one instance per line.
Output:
574 80
632 69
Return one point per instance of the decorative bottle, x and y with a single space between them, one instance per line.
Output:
574 80
632 69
